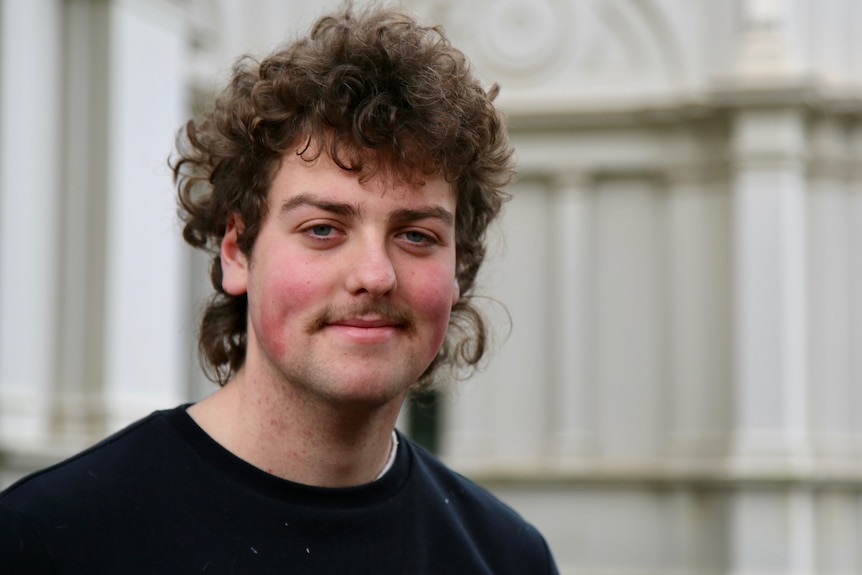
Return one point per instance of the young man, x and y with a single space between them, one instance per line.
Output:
343 186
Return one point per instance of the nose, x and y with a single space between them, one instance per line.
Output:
372 271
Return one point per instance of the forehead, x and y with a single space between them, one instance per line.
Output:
297 174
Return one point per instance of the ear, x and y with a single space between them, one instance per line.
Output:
234 263
456 292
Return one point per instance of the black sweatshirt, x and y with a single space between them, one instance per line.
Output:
162 497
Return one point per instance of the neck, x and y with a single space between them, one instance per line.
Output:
302 439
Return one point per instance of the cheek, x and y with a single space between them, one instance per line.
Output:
433 299
284 305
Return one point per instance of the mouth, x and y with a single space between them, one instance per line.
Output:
365 324
364 331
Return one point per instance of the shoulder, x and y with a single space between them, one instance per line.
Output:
51 512
451 486
100 463
99 478
487 522
21 550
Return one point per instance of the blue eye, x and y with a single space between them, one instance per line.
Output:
321 230
416 237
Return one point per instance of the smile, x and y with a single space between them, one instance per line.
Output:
365 331
366 323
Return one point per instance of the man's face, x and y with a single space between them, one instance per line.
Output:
350 286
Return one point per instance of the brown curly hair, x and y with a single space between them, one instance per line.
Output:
375 91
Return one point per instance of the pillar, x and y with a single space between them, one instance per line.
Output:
30 167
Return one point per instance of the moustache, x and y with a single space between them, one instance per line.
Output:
379 310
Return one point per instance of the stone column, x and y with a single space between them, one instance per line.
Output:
571 318
146 331
30 168
699 302
772 531
518 385
771 423
855 288
631 288
497 420
829 295
771 525
78 410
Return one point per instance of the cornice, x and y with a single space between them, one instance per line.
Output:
566 111
712 474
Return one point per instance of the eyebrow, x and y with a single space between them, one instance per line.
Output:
433 212
352 210
338 208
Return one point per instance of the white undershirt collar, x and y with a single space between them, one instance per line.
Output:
392 452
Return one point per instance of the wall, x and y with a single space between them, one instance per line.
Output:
676 285
679 392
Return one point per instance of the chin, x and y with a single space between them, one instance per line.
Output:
365 394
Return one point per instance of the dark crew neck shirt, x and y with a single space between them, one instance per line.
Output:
162 497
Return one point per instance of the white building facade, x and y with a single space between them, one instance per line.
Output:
676 285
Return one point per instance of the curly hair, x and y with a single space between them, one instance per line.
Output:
375 91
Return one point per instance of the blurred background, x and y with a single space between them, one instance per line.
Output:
676 286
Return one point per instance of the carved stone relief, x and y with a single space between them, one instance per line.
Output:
582 47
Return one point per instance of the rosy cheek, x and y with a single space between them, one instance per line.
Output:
434 296
270 331
284 309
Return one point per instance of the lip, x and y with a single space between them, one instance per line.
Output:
365 331
365 323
